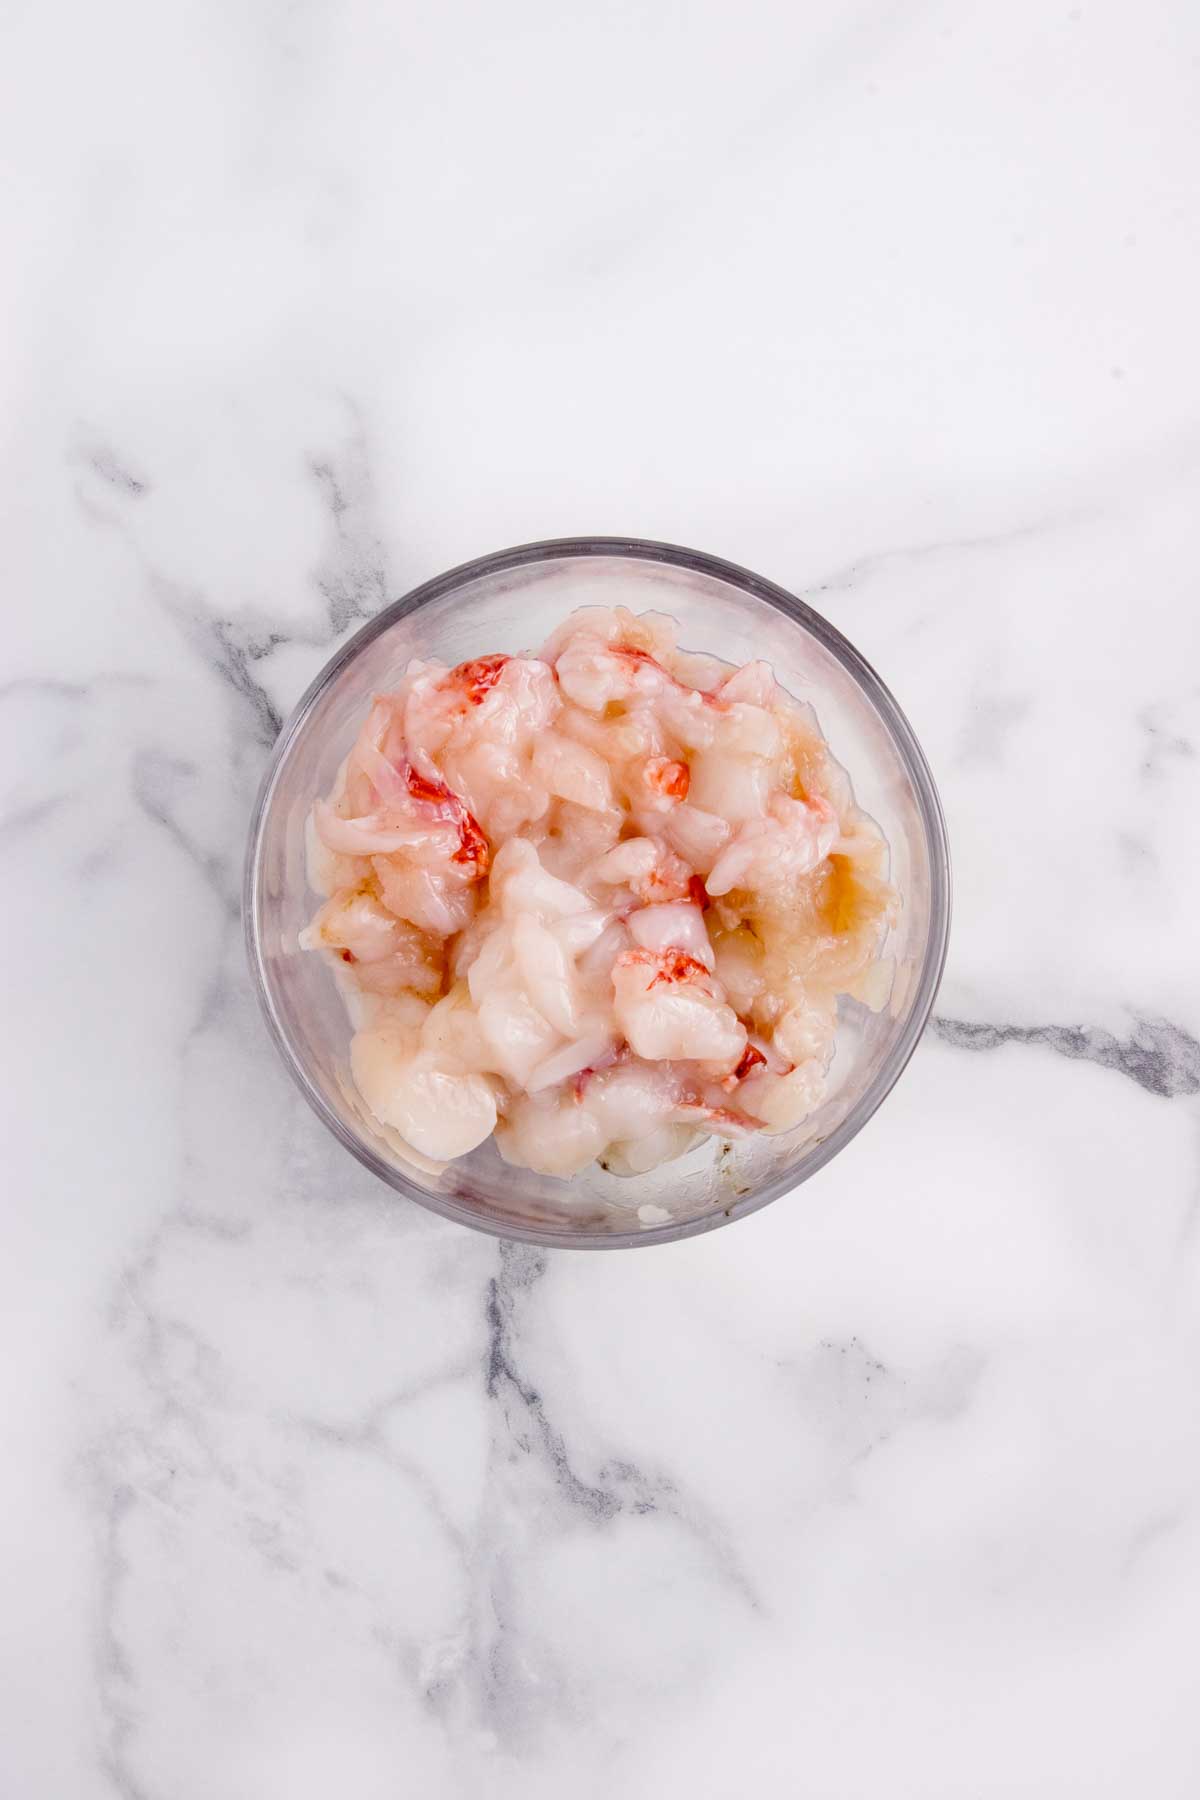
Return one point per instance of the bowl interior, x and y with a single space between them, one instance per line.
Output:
510 603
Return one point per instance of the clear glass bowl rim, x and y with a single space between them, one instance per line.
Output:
911 755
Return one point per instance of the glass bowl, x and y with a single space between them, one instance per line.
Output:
510 602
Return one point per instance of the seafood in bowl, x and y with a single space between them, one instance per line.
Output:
599 901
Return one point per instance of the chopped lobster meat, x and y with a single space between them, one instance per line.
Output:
598 902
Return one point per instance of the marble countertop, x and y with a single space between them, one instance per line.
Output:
894 1488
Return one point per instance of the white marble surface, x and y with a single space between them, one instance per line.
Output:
893 1489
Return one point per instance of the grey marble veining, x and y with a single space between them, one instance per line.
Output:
1156 1054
